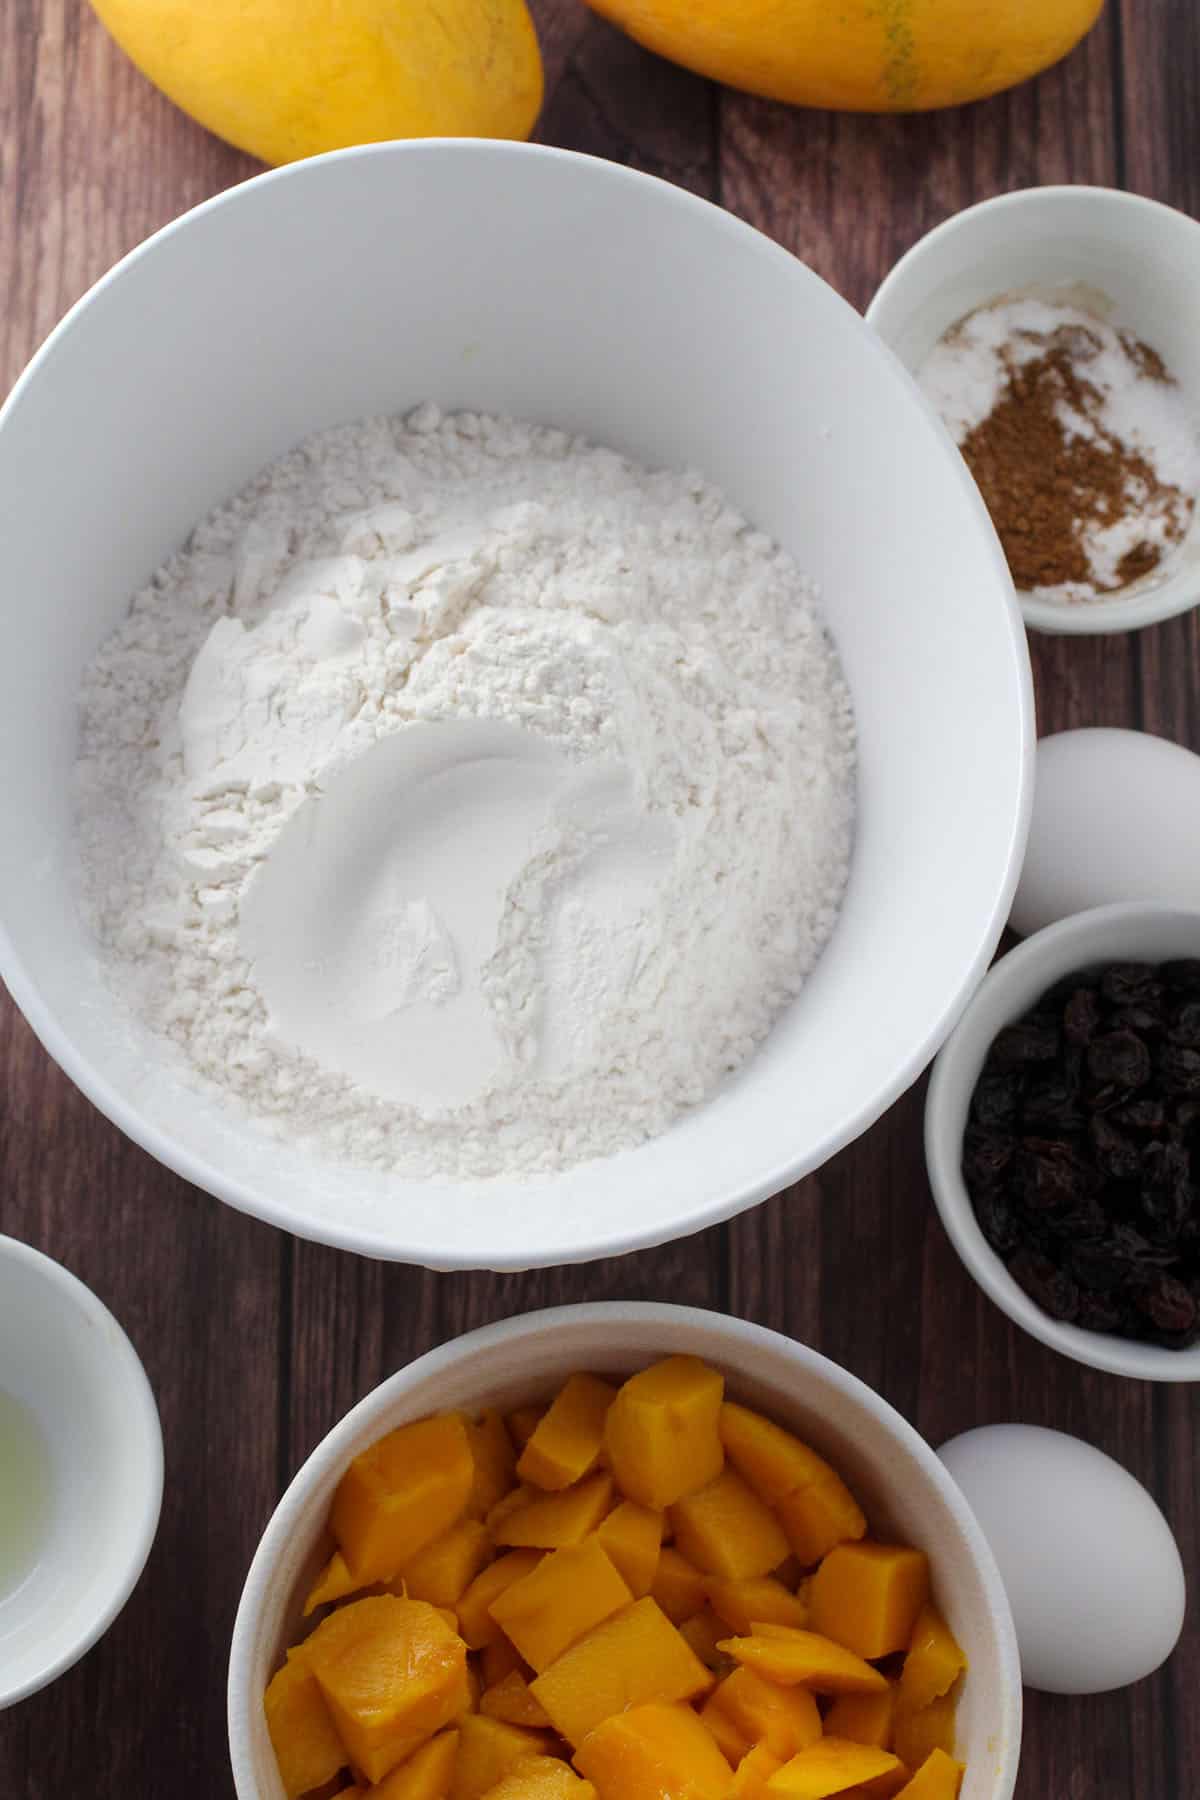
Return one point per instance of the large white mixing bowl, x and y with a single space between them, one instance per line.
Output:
509 278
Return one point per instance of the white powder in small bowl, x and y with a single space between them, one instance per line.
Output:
463 799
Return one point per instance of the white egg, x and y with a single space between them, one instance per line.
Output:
1115 817
1093 1574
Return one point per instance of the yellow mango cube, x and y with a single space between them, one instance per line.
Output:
725 1529
762 1597
752 1774
818 1517
474 1691
864 1718
391 1672
569 1592
633 1658
333 1583
475 1622
804 1658
703 1632
498 1660
400 1494
569 1436
883 1787
632 1536
934 1661
773 1461
828 1767
868 1596
512 1701
661 1431
495 1462
785 1719
678 1586
551 1521
732 1743
426 1775
938 1778
652 1751
917 1735
487 1750
445 1569
541 1778
305 1739
522 1423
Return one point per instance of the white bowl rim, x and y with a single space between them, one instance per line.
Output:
1052 948
478 1343
146 1427
1060 618
207 1175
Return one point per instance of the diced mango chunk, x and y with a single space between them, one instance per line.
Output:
512 1701
521 1424
400 1494
475 1621
651 1751
805 1658
864 1718
474 1691
740 1603
426 1775
785 1719
631 1659
883 1787
828 1767
391 1672
632 1535
773 1461
495 1462
487 1751
306 1742
661 1431
550 1521
934 1661
938 1778
703 1633
679 1587
569 1436
732 1743
541 1778
333 1583
818 1517
498 1660
725 1529
569 1592
753 1773
917 1735
445 1569
868 1596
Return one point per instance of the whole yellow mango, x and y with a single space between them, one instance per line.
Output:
860 55
285 79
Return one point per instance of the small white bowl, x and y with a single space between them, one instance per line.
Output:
904 1489
1141 931
1140 256
74 1373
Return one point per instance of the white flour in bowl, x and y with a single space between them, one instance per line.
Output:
464 799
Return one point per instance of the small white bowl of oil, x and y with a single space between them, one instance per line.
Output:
81 1469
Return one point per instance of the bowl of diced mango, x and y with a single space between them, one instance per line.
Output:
623 1552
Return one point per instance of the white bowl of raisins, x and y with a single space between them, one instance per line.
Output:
1062 1138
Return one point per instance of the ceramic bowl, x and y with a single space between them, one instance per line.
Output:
92 1480
518 279
1138 931
903 1487
1127 258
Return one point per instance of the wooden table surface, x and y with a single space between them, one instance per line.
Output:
255 1343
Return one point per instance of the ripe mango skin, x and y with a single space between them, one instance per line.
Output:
860 55
286 79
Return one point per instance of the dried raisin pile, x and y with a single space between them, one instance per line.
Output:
1080 1151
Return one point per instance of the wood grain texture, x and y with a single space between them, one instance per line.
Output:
255 1343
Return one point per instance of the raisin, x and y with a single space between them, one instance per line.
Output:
1081 1016
1168 1304
994 1101
1184 1027
1119 1059
1146 1113
1179 1068
986 1155
1032 1040
1050 1174
998 1222
1131 984
1053 1104
1116 1154
1102 1312
1182 975
1048 1287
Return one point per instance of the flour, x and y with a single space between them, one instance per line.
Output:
463 799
